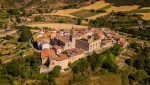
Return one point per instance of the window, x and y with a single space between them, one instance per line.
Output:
68 45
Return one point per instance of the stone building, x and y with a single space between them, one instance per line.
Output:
89 44
74 54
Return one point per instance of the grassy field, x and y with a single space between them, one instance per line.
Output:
55 25
109 79
2 14
104 80
106 7
138 11
83 13
121 8
98 15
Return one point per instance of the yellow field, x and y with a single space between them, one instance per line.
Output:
121 8
55 25
146 16
97 5
145 8
98 15
66 12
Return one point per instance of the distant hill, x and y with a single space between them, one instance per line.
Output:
143 3
29 3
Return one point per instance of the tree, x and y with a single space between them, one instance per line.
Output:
139 64
12 68
25 35
92 10
18 19
147 64
81 66
79 20
13 12
116 49
56 71
51 79
37 18
98 62
2 7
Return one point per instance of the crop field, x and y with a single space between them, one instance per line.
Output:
66 12
97 5
106 7
98 15
121 8
145 16
145 8
55 25
138 11
84 13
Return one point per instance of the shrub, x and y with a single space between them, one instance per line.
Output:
92 10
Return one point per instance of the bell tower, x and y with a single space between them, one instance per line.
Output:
72 38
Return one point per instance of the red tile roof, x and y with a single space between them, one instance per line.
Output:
57 47
60 58
106 41
47 53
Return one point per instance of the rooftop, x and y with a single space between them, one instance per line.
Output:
60 58
57 47
47 52
74 51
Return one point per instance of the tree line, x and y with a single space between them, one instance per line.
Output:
143 3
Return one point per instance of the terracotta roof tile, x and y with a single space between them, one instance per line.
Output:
57 47
106 41
47 53
60 58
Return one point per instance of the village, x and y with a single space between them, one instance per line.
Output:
60 47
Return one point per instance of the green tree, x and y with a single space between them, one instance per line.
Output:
56 71
12 68
116 49
18 19
37 18
139 64
147 64
51 79
81 66
25 35
79 20
98 62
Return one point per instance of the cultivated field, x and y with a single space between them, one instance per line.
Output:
138 11
55 25
66 12
146 16
121 8
145 8
97 5
84 13
98 15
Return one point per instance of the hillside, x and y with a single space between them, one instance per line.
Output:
38 3
143 3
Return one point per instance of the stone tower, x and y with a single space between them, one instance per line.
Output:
72 38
